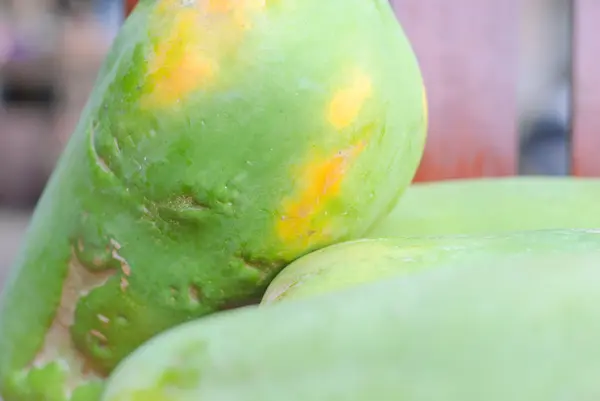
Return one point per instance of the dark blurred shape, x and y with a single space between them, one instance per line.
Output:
41 95
544 87
545 151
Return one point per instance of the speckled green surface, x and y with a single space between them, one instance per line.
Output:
524 328
222 140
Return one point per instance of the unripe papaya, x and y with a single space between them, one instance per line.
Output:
223 139
356 262
520 329
491 205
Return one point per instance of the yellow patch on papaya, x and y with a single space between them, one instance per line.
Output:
164 6
179 65
348 102
321 180
242 16
211 6
256 4
238 10
186 58
224 6
219 6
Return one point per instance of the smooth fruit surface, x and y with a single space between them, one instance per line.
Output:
356 262
493 205
524 329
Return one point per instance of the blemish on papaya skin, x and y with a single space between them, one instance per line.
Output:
125 268
58 345
322 181
195 294
124 284
103 319
264 268
186 202
115 244
98 335
347 103
96 257
183 209
100 162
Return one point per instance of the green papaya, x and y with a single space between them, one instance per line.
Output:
525 329
356 262
489 205
223 139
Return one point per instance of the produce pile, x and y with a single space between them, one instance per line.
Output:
233 219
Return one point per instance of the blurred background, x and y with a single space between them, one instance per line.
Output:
50 53
51 50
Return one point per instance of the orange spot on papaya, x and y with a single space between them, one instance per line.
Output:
186 55
224 6
348 102
179 65
219 6
321 181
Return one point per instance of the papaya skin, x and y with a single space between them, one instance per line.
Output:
493 205
223 139
356 262
519 329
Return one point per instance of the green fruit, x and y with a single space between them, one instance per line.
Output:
355 262
223 140
489 205
525 329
